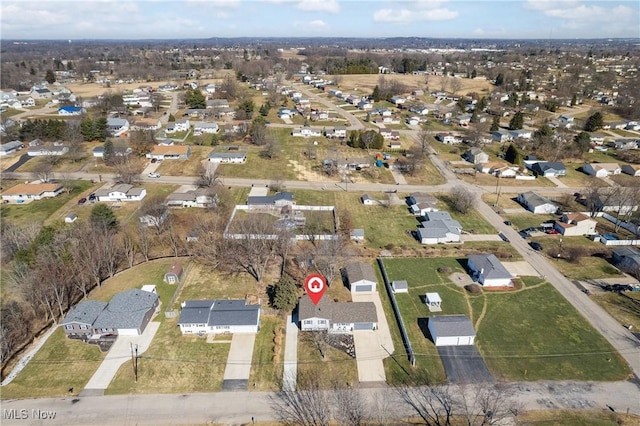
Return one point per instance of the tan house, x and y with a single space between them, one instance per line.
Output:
28 192
170 152
574 224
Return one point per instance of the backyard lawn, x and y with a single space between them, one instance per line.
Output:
512 327
59 365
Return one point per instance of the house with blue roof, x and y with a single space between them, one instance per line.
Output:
71 110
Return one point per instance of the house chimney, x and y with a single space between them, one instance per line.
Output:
481 271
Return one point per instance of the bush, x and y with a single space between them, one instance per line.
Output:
444 270
473 288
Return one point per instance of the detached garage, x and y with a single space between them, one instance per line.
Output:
451 330
361 278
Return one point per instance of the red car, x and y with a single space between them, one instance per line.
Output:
552 231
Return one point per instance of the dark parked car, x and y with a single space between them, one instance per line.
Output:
536 246
81 201
507 222
504 237
92 196
524 234
154 160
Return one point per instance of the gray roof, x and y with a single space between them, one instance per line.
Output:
423 197
219 312
438 224
337 312
227 154
451 325
543 166
126 309
85 312
11 145
270 199
492 267
358 271
116 122
533 199
400 284
358 232
182 196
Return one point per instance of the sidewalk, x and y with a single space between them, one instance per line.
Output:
290 374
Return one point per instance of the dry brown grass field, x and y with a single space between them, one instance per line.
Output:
366 82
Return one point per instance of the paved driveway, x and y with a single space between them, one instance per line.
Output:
520 269
238 369
119 353
290 373
463 364
372 346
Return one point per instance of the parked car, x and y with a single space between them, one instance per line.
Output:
524 234
154 160
507 222
92 197
552 231
536 245
81 201
154 175
504 237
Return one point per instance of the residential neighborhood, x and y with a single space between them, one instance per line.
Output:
165 205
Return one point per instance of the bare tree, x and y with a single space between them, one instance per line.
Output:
309 405
462 199
434 404
330 255
424 140
351 408
145 241
487 404
16 237
43 171
456 84
129 247
155 213
128 168
251 252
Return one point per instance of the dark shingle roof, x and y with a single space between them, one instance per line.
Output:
451 325
492 267
359 271
126 309
85 312
270 199
219 312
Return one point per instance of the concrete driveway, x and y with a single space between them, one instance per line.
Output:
372 346
238 369
119 353
522 268
290 373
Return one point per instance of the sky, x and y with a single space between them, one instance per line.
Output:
166 19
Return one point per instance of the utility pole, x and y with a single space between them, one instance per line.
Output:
134 362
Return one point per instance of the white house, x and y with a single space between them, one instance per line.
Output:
121 192
219 316
200 127
448 139
337 317
439 227
46 150
306 132
27 192
536 204
337 132
601 169
451 330
70 110
181 125
190 199
10 147
361 278
171 152
117 126
575 224
488 270
228 157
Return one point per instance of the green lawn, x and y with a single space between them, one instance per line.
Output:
620 307
337 367
535 334
268 353
175 364
40 210
61 364
528 220
512 326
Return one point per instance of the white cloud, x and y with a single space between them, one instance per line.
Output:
331 6
576 14
408 15
318 23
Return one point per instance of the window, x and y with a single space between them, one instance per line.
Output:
307 322
83 326
68 327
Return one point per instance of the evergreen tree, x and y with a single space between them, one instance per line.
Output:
583 141
50 77
482 104
86 129
594 122
376 94
499 79
513 155
100 132
108 154
195 99
171 118
103 216
517 121
285 294
264 109
495 124
574 100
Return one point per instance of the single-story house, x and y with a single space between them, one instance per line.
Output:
631 169
174 274
71 110
47 150
575 224
626 259
601 169
280 199
521 134
367 200
117 126
360 277
439 227
200 127
10 147
357 235
121 192
228 157
336 316
306 132
27 192
488 270
497 168
400 286
501 136
536 204
193 198
337 132
127 313
146 124
476 156
448 139
549 168
180 125
451 330
172 152
219 316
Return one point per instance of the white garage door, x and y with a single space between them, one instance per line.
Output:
363 288
128 332
465 340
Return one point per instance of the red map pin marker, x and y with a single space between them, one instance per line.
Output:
315 285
